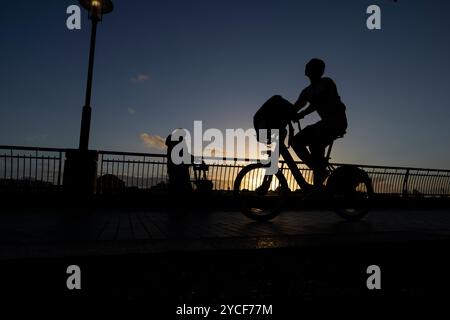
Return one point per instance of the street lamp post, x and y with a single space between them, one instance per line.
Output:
96 9
80 167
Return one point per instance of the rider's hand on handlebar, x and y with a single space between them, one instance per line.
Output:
299 115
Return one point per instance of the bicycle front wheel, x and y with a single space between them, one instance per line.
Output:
260 197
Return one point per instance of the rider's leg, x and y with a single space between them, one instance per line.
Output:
325 135
267 179
300 143
264 187
319 163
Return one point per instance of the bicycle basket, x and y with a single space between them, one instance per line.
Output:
275 113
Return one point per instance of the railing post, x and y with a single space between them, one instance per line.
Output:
405 184
4 157
80 172
59 168
99 183
36 165
11 165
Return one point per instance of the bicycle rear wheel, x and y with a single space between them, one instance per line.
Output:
256 202
351 191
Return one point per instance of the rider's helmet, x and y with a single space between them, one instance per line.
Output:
315 68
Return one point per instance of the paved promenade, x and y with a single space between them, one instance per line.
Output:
165 259
57 233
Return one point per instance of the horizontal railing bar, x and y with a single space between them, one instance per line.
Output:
6 147
132 162
142 154
29 157
393 168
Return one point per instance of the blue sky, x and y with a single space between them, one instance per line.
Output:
163 64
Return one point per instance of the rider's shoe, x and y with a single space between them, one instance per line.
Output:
320 175
264 187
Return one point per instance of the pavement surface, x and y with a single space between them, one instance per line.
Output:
164 260
92 232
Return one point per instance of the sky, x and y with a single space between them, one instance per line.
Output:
160 65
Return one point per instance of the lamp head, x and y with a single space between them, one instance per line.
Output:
97 8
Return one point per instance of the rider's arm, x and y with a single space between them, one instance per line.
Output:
302 101
310 109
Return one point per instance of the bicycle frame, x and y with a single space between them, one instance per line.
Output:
284 152
295 171
287 157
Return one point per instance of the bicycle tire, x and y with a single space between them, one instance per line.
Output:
343 186
253 213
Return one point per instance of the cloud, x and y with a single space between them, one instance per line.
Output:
131 110
140 78
153 141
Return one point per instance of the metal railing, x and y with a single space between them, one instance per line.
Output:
120 170
28 168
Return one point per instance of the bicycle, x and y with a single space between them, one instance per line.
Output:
348 188
201 182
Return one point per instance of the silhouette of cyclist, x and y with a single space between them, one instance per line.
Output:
321 96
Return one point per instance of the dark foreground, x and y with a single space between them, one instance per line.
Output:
161 261
283 277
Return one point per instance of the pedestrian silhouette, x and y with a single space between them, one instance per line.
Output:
179 176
